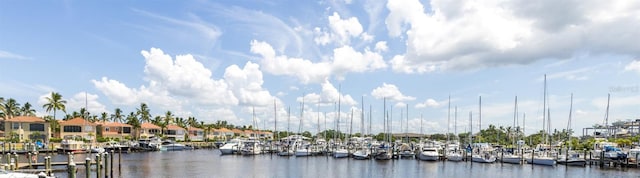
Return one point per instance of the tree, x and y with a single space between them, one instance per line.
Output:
144 112
104 116
11 108
2 110
55 102
117 115
83 113
168 118
27 110
306 134
192 122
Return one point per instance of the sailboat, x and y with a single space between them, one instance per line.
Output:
286 148
383 152
541 158
303 148
453 152
512 157
484 156
341 151
571 158
362 152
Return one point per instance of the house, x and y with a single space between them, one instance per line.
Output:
78 127
237 132
265 135
115 130
174 132
250 134
148 130
196 134
27 128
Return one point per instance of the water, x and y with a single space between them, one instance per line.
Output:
209 163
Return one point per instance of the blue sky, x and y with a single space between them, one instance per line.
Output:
218 60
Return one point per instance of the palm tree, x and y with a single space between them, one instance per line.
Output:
55 102
168 118
2 110
104 116
11 108
192 122
117 115
143 112
26 110
84 113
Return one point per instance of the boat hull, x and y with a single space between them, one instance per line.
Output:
428 156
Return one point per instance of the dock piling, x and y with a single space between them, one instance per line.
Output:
87 166
71 167
98 166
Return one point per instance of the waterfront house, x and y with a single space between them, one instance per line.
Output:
220 134
237 132
196 134
250 133
114 130
27 128
174 132
148 130
78 127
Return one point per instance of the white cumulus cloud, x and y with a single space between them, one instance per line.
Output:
633 66
391 92
428 103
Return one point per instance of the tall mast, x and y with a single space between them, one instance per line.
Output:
448 117
480 113
606 117
455 122
471 128
515 115
544 107
338 119
406 131
362 116
275 121
570 113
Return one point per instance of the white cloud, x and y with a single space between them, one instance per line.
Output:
401 65
88 101
633 66
9 55
305 70
329 96
342 30
346 59
381 46
246 84
391 92
576 74
465 35
428 103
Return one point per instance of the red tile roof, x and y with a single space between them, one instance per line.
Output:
76 121
147 125
195 128
113 124
29 119
174 127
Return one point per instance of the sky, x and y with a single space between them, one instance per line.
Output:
244 61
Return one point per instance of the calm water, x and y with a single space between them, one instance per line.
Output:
209 163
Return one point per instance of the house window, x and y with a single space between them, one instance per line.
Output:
15 126
72 128
171 132
126 130
36 127
106 129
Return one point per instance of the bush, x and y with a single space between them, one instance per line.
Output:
55 140
102 139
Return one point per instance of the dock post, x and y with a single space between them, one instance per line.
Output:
30 162
15 166
533 152
46 165
71 167
590 158
601 158
106 164
502 157
98 166
119 159
87 166
111 165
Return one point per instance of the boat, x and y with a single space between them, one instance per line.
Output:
341 152
429 153
511 158
9 174
149 144
484 158
72 144
542 160
573 159
454 156
383 153
169 145
231 147
361 154
303 150
115 147
251 147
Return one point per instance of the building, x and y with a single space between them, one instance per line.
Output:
196 134
148 130
174 132
265 135
220 134
78 127
115 130
27 128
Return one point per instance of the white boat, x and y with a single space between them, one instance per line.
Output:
231 147
383 153
251 147
542 160
429 154
341 153
72 144
115 146
361 154
150 144
406 151
454 156
303 152
510 158
286 153
572 160
172 146
8 174
483 158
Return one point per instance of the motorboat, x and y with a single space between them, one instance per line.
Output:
573 159
169 145
72 144
484 158
383 153
542 160
251 147
9 174
149 144
361 154
429 153
231 147
454 156
511 158
406 152
115 147
341 152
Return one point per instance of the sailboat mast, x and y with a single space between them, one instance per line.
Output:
606 116
448 117
515 115
275 121
570 114
362 116
544 108
480 113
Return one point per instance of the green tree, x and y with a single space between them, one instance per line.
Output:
2 109
117 115
11 108
306 134
144 113
27 110
104 116
55 102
